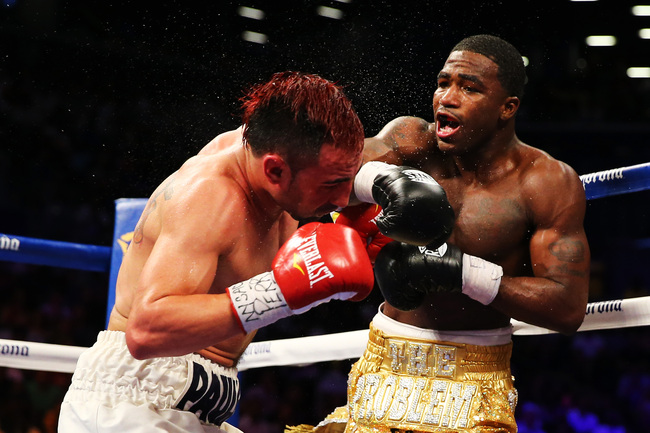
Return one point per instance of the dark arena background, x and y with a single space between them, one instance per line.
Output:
103 99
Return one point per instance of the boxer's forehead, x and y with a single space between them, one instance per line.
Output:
337 164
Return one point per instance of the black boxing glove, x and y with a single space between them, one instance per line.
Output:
403 271
415 207
390 271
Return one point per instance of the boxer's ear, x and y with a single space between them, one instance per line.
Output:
276 170
509 108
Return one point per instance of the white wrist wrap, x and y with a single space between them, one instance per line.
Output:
365 178
258 301
481 279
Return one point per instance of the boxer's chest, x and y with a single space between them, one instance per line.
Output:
491 222
251 253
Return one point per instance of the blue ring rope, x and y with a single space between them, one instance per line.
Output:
19 249
616 181
97 258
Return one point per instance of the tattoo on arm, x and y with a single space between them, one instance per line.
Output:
564 269
424 125
567 250
396 136
167 191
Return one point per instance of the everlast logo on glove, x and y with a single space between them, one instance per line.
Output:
316 268
376 217
319 262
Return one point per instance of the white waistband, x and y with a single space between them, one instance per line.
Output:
107 371
479 337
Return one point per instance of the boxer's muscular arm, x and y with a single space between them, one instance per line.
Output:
172 312
387 146
401 140
165 320
556 297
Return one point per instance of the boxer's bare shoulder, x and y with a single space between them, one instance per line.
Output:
403 139
223 141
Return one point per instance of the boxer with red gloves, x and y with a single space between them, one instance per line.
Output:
216 256
318 263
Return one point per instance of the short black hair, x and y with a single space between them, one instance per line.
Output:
512 72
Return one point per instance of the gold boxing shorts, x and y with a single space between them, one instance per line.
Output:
407 384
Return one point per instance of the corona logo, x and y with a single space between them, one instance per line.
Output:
124 241
7 243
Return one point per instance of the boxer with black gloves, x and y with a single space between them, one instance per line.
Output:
406 273
398 203
414 206
438 355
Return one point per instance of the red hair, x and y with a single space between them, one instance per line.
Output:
294 114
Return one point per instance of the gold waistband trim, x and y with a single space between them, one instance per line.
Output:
439 359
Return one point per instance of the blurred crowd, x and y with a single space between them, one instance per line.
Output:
72 143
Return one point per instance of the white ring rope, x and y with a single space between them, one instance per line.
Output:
622 313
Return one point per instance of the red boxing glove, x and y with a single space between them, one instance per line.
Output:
318 263
363 218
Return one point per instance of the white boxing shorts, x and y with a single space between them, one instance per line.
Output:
111 391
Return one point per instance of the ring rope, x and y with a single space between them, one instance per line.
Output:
623 313
616 181
20 249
